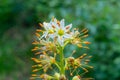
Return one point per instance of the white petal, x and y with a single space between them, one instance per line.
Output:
61 40
68 27
67 36
44 35
52 36
55 20
55 25
49 26
62 23
45 25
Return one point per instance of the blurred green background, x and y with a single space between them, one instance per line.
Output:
20 18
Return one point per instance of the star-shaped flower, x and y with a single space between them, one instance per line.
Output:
62 32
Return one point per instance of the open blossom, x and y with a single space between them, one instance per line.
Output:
57 29
59 33
49 30
56 33
62 32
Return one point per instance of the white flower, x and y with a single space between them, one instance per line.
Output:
49 30
57 29
61 31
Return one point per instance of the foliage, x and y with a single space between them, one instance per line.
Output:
18 19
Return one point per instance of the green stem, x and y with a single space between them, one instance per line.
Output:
57 66
62 64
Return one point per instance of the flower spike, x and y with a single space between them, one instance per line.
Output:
49 60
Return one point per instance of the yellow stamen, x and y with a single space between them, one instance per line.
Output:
84 36
53 18
34 66
35 42
35 70
32 78
86 42
36 60
84 30
41 24
37 53
44 52
79 45
36 48
38 30
67 27
51 31
58 22
53 26
37 34
34 75
60 32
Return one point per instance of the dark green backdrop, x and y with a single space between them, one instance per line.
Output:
20 18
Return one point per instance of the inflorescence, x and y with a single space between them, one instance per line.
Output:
50 62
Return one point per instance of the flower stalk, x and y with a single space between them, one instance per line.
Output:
50 62
62 71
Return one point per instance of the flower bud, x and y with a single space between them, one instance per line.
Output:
62 77
76 78
57 76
